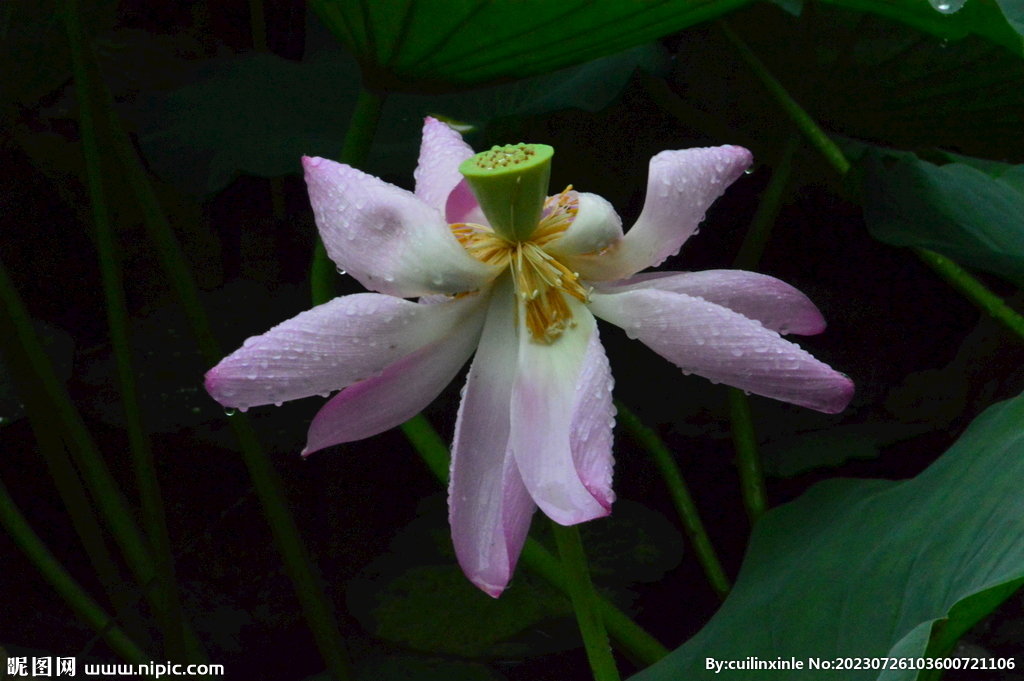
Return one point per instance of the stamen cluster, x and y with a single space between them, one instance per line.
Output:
541 280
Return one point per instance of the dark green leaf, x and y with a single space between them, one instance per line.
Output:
975 217
860 75
437 45
259 114
789 456
417 596
445 44
865 568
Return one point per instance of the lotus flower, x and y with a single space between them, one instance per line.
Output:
534 427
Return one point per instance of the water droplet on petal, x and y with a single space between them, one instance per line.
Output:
340 271
278 404
737 352
228 411
243 408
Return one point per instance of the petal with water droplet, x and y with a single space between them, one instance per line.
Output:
799 378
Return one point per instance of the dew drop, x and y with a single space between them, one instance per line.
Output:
340 271
278 404
228 411
325 394
737 352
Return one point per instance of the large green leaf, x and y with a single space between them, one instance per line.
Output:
418 44
1001 22
865 568
438 45
972 212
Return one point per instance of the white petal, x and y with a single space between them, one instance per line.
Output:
402 391
774 303
441 152
725 347
681 186
544 398
488 507
334 345
385 237
593 420
595 227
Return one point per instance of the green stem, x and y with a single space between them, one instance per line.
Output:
47 430
429 444
767 210
268 485
748 459
581 591
361 129
681 497
258 25
631 637
815 135
97 477
628 634
168 609
972 289
72 593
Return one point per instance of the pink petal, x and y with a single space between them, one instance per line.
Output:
488 507
725 347
592 422
544 399
462 206
437 173
334 345
402 391
595 227
774 303
681 186
385 237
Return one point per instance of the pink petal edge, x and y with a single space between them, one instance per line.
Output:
725 347
777 305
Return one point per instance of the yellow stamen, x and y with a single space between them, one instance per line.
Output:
541 281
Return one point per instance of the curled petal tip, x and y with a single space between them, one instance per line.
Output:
843 394
491 590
